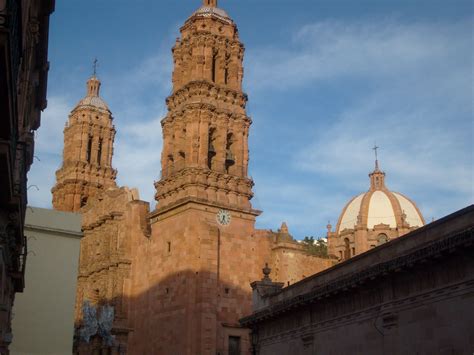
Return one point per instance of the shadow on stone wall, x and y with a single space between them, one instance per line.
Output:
185 313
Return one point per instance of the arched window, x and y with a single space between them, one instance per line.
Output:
214 67
170 164
89 149
83 201
99 151
182 160
211 152
382 239
229 153
347 248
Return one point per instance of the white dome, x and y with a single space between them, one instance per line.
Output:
94 101
210 11
379 206
92 98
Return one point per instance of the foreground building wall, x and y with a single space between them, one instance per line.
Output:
414 295
43 321
24 28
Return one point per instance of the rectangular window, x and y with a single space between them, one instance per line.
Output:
234 345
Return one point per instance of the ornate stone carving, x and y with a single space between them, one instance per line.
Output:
97 321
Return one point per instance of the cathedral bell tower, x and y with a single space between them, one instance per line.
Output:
205 133
204 214
87 157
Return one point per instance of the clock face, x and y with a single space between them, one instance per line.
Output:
223 217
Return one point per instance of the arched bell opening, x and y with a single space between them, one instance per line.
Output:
229 154
211 151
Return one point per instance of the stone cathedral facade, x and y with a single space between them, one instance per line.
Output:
175 280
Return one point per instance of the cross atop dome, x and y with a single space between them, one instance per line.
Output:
94 66
375 148
211 3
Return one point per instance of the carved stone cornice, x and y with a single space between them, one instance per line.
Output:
208 92
212 111
206 38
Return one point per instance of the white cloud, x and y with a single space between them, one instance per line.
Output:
381 49
415 102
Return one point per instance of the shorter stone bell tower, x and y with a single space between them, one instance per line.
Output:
88 149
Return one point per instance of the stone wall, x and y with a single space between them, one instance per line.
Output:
414 295
114 224
181 284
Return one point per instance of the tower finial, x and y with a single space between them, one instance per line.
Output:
94 66
211 3
375 148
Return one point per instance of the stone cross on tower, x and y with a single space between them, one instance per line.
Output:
94 65
375 148
212 3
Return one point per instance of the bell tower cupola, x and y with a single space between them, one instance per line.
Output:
212 3
88 148
377 177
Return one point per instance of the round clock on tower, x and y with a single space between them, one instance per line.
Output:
223 217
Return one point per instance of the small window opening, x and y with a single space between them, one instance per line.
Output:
226 76
167 290
353 251
169 247
226 290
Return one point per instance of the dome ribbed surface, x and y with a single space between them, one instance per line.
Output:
379 207
208 11
93 101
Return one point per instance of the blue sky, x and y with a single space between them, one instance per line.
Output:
325 78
